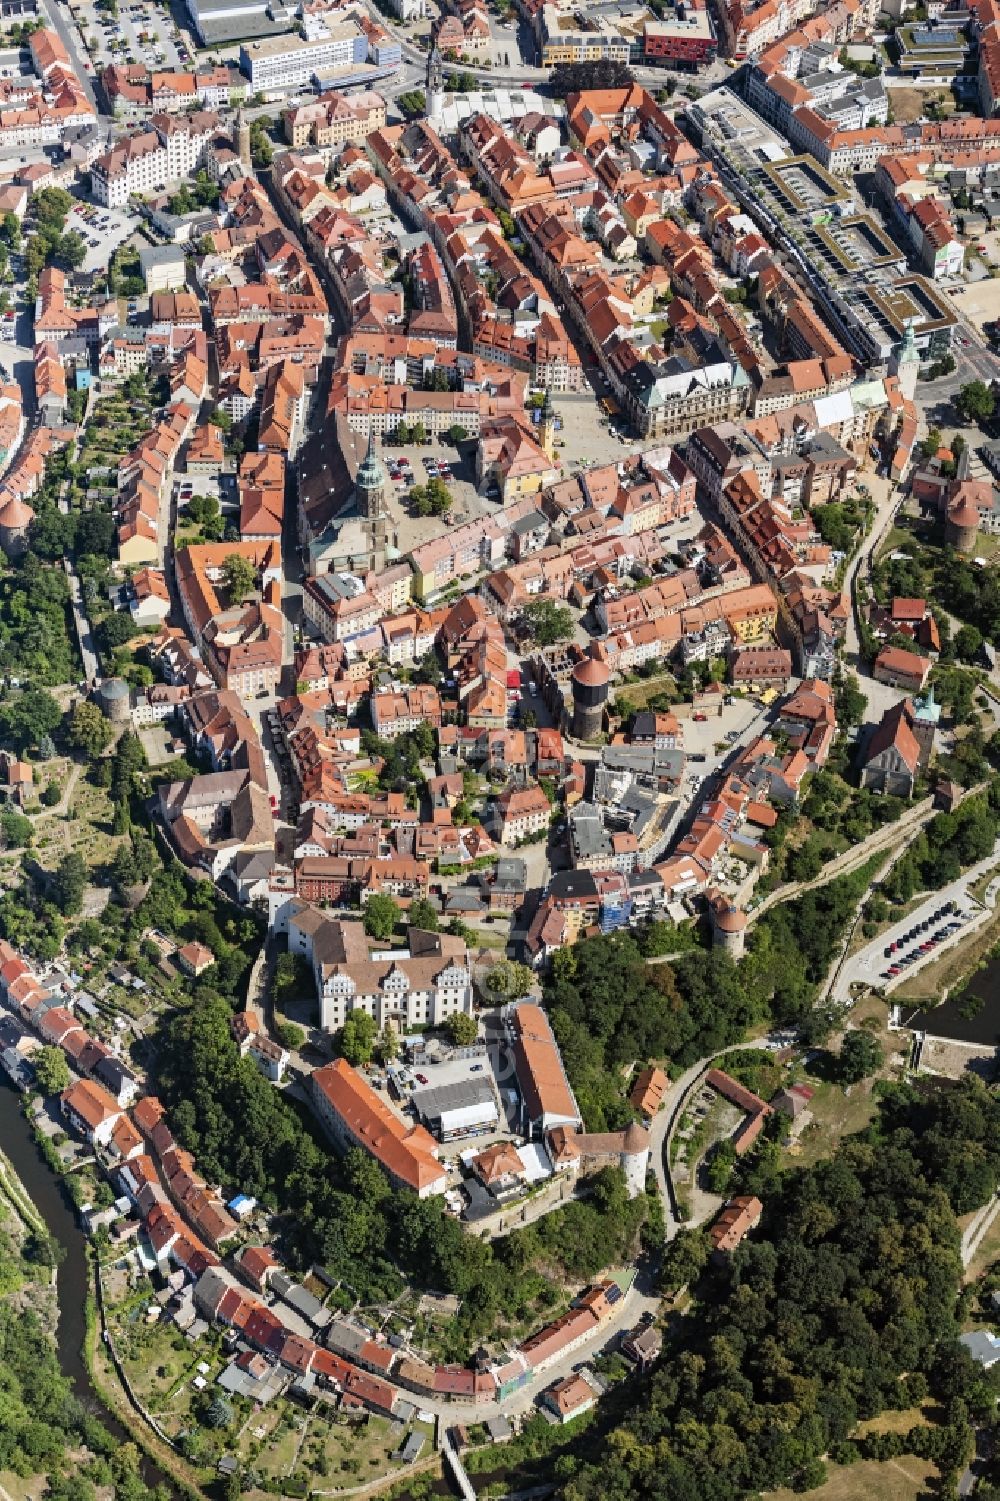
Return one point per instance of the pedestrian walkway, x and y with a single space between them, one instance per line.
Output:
453 1463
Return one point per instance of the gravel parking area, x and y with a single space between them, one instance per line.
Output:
103 230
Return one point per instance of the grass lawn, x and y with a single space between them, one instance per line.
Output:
487 940
21 1490
87 828
978 888
278 1453
835 1113
898 1422
155 1367
898 536
348 1454
834 1116
987 546
639 693
902 1479
908 104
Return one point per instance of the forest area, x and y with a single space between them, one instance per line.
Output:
609 1007
844 1304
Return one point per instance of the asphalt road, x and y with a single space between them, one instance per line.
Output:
59 19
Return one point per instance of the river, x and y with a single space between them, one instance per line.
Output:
972 1017
72 1283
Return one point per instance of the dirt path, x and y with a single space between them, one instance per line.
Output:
61 809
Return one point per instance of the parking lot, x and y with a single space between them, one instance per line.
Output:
739 719
586 433
922 938
103 230
925 934
120 39
404 1080
467 503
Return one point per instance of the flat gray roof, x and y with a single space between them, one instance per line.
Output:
444 1097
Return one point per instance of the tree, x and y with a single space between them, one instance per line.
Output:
860 1056
71 250
218 1414
291 974
428 669
135 861
51 1071
15 830
457 433
26 716
261 150
548 622
357 1038
291 1036
204 512
89 731
387 1047
115 630
94 534
931 443
976 401
462 1028
50 207
570 78
684 1260
239 576
381 916
719 1171
851 702
432 499
508 978
67 884
968 643
423 914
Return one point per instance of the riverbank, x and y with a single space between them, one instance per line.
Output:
105 1381
75 1328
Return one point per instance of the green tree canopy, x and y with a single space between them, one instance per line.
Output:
423 914
548 622
239 576
89 731
861 1055
508 978
28 715
381 914
51 1070
462 1028
291 1036
357 1038
976 401
69 879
